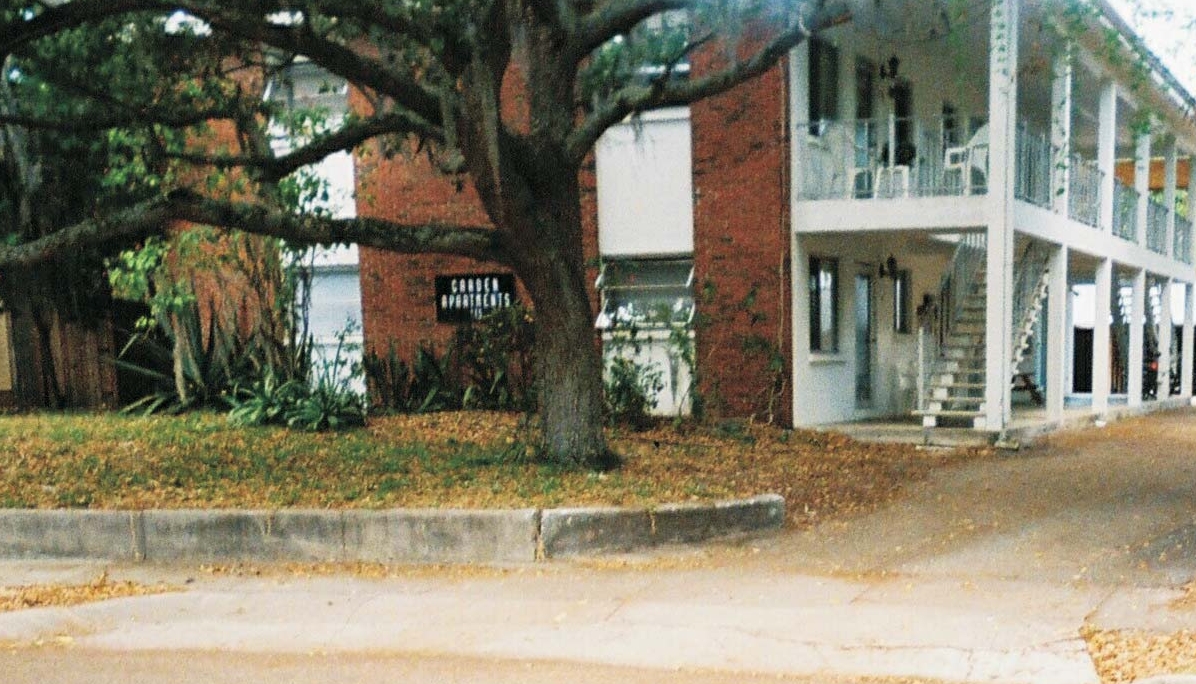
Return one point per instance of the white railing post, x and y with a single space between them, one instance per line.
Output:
1061 85
1142 184
1107 153
921 381
1170 180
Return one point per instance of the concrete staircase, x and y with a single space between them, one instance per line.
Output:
954 387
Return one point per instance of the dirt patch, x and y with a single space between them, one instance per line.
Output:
100 589
1127 655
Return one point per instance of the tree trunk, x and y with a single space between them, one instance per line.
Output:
550 261
569 373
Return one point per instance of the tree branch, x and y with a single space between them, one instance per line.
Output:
344 139
154 216
662 92
87 122
476 242
247 21
611 19
67 15
336 58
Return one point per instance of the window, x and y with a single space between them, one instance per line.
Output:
666 36
952 136
865 89
901 302
646 293
824 85
824 305
903 110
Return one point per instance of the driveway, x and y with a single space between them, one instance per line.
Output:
1110 506
984 572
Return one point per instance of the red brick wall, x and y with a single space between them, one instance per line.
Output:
741 247
397 291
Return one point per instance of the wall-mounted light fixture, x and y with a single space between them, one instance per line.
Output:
888 269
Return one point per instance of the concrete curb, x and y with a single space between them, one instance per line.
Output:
388 536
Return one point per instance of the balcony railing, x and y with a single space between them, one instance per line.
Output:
893 158
1083 197
1033 168
1125 211
1156 227
1183 239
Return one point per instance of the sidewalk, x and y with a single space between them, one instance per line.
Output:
984 573
731 618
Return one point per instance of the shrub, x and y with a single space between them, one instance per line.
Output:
423 385
630 385
493 359
488 365
327 402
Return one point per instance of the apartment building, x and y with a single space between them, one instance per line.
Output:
938 211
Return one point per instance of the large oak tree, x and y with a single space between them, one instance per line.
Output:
432 72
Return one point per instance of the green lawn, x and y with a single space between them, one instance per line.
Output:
465 459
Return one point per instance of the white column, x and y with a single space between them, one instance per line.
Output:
1165 324
1002 108
1069 368
1061 85
801 327
1056 334
1186 339
799 107
1137 321
1170 182
1100 338
1142 181
1191 199
1106 152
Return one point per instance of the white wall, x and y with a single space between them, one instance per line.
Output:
656 351
824 384
938 70
334 315
645 186
645 209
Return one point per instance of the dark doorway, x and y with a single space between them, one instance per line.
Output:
1081 370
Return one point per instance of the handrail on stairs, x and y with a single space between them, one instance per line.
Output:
1030 275
962 273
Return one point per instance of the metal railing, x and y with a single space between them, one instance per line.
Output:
1125 211
1182 244
893 158
929 354
1156 227
1033 167
1028 288
1083 197
962 273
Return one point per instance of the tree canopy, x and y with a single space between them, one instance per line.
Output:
169 96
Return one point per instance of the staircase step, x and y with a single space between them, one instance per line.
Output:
959 400
958 385
944 413
965 364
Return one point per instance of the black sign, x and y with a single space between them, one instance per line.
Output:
469 297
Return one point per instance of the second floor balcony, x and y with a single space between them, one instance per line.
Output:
1182 241
1125 211
894 159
